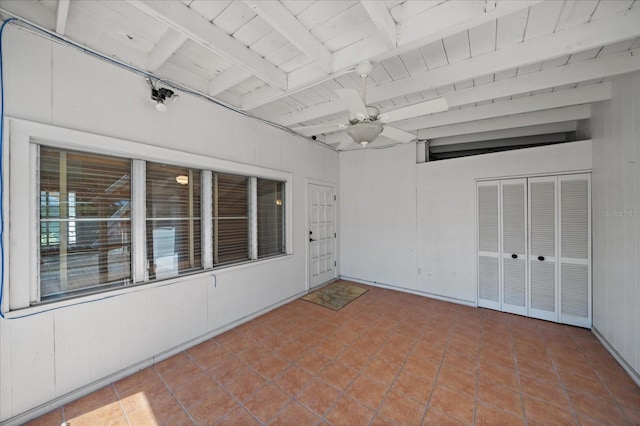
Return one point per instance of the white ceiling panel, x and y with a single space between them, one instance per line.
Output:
471 53
557 62
233 17
199 61
116 22
434 55
529 68
282 54
253 31
173 72
510 29
413 61
393 3
322 11
351 36
248 85
295 63
395 68
409 9
443 90
298 6
267 44
482 39
456 47
505 74
543 18
379 75
341 23
348 82
609 7
576 12
414 97
461 85
616 47
584 55
483 79
209 9
429 94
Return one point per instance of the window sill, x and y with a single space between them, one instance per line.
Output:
133 288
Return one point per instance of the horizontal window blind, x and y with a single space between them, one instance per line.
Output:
85 222
173 221
230 218
270 195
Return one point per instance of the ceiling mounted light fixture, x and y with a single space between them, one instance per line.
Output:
366 122
364 132
182 179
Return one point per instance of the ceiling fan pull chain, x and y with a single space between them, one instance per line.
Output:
364 88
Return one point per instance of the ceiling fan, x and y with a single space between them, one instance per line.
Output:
365 122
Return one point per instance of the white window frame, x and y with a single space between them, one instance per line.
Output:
20 156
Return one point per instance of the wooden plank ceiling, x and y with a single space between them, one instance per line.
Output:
501 65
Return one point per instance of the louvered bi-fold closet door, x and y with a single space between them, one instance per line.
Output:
575 249
514 245
543 294
488 244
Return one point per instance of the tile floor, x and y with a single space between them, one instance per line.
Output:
386 358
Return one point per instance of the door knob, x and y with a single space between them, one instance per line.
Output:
514 256
311 240
540 258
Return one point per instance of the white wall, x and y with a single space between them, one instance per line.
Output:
413 226
47 355
377 211
447 209
615 126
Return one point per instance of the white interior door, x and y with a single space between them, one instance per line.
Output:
488 244
322 234
575 249
514 245
543 293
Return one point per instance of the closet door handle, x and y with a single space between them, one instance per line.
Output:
541 258
514 256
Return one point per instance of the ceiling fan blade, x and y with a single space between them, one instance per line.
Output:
397 134
352 100
422 108
319 129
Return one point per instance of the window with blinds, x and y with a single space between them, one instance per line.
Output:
173 221
84 221
87 213
270 217
230 218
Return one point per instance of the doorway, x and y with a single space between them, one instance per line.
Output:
322 233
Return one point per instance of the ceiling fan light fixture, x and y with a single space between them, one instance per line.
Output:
364 132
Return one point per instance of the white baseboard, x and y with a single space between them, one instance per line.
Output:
635 376
112 378
410 291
